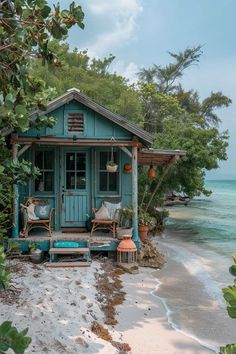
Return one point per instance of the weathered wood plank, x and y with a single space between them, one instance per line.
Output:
67 264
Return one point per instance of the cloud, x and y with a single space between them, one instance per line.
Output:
119 17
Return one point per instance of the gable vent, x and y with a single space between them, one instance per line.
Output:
75 123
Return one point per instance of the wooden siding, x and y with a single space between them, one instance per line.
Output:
95 125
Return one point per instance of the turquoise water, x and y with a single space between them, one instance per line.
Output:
209 221
198 242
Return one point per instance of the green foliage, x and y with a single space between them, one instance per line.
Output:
229 294
229 349
127 215
26 28
33 246
144 218
10 338
5 276
93 78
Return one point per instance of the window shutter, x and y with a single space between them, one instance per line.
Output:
75 123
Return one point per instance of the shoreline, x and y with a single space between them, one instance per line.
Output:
143 320
174 326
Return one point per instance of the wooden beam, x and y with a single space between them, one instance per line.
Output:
74 142
135 191
23 149
15 204
126 151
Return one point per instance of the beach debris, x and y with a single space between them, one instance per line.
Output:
104 334
149 256
82 341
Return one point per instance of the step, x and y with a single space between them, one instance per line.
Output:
67 264
67 250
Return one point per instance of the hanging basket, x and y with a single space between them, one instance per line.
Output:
111 167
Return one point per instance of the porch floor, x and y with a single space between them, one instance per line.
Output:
59 235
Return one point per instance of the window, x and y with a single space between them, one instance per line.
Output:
75 170
108 182
75 122
44 160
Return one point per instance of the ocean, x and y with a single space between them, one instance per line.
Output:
199 241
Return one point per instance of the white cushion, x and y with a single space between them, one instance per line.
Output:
112 209
102 213
31 212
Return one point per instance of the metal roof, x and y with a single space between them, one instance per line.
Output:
75 94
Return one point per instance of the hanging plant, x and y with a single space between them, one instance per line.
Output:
111 166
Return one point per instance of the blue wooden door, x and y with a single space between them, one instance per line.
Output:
75 188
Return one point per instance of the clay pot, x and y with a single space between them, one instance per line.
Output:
143 231
127 168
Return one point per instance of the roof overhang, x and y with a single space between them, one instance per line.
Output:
159 157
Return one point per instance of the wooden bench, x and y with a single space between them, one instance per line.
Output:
28 224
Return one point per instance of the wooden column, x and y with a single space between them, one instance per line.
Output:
15 205
135 191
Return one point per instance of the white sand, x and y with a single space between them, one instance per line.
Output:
143 322
58 306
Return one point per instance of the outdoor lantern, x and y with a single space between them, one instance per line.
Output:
127 251
151 171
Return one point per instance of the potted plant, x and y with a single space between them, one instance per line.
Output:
146 222
111 166
35 253
126 220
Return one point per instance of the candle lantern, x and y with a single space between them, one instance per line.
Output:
127 251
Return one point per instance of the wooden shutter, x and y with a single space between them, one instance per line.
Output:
75 122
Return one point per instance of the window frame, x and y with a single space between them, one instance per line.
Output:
117 192
43 170
75 170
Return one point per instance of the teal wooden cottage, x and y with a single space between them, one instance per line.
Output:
72 158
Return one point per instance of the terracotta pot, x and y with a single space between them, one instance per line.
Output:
127 168
143 231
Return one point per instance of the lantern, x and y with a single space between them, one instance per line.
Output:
151 171
127 251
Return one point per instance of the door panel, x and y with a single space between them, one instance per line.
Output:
75 188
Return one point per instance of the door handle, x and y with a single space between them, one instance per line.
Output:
62 198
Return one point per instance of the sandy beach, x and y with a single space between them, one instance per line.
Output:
143 320
60 305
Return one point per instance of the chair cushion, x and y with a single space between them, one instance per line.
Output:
42 211
102 214
112 209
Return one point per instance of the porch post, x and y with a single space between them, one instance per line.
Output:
15 205
135 191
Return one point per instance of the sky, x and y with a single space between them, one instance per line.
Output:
141 32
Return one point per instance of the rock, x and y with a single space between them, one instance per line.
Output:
149 256
83 297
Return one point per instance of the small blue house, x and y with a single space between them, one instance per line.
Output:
72 158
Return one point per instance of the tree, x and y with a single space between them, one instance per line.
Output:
26 27
182 121
93 78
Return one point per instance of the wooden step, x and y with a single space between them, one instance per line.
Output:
67 250
67 264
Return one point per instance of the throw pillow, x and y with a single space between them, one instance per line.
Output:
42 211
112 209
31 212
102 213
